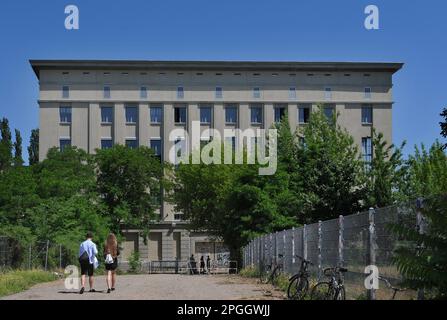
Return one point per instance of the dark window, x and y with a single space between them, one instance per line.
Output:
329 113
303 114
231 114
256 93
64 143
367 149
65 114
156 114
106 92
367 115
205 115
131 115
143 93
280 112
219 93
106 144
180 93
155 145
65 92
256 114
132 143
106 114
180 114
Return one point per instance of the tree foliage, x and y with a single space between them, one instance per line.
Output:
33 148
5 145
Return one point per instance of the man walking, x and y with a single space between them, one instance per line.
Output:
88 261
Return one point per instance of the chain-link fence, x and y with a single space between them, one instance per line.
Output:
38 255
353 242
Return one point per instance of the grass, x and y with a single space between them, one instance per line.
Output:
16 281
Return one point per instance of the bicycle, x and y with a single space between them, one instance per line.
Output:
334 289
271 275
395 289
299 283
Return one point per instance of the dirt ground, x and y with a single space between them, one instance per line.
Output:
159 287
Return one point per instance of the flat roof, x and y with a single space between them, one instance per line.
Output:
289 66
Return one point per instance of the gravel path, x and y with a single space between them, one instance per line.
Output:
159 287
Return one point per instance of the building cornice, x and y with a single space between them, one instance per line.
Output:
288 66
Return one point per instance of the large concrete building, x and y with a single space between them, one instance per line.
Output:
95 104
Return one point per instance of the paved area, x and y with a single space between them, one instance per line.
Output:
159 287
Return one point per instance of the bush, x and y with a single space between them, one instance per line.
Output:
249 272
134 262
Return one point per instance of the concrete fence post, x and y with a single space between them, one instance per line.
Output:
371 293
29 257
293 246
421 226
340 240
320 242
304 253
46 255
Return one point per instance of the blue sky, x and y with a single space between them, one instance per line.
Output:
413 32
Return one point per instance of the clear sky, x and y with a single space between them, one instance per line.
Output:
413 32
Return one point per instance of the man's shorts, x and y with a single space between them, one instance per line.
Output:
87 269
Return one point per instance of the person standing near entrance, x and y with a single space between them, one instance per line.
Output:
88 261
208 264
111 253
202 265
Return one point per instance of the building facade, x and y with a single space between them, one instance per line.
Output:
95 104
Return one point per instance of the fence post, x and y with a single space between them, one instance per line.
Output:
305 242
320 241
372 249
29 257
293 246
340 240
60 256
420 224
46 255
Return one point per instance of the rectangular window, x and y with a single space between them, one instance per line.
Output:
180 114
367 149
106 114
367 93
256 114
231 114
64 143
219 94
132 143
155 145
205 115
180 93
156 114
303 114
143 93
106 144
292 93
280 112
180 149
131 115
230 141
329 113
256 93
328 93
367 114
106 92
65 114
65 92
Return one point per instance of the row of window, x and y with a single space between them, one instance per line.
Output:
218 94
156 145
206 113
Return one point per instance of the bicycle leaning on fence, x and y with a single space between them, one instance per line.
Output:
271 272
334 289
299 283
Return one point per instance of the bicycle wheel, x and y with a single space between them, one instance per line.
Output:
322 291
298 288
341 294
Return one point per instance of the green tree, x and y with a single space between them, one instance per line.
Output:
18 159
426 172
423 261
5 145
33 148
385 173
129 182
330 171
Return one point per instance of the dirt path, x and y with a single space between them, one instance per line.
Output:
159 287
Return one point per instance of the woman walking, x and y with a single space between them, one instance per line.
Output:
111 253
